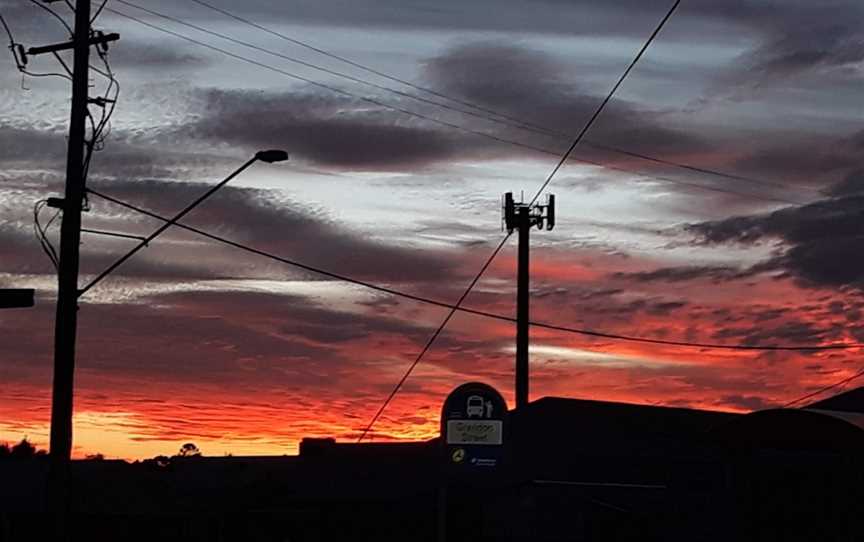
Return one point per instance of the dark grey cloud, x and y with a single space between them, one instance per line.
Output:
664 308
441 15
539 88
715 274
824 47
794 34
35 154
24 145
130 54
210 338
21 254
785 332
325 129
269 221
345 132
824 219
821 242
260 218
565 17
851 184
611 308
809 48
796 43
799 160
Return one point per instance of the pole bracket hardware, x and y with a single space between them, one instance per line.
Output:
98 39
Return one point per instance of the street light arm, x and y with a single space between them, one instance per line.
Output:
267 156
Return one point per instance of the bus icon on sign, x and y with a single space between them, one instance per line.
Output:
475 406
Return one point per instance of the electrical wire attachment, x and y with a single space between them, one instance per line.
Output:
42 231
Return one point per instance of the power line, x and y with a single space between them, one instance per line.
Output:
830 387
537 195
606 100
437 303
42 232
54 14
434 336
519 123
145 242
331 88
445 123
21 57
98 11
331 72
457 307
690 344
662 161
513 122
696 169
8 32
548 180
503 241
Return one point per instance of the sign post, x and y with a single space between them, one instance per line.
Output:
473 428
474 433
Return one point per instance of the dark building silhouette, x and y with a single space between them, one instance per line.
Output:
575 470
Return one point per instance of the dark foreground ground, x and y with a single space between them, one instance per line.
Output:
577 471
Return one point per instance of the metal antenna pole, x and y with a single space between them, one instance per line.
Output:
522 302
522 217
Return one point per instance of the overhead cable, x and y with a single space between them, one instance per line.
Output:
829 387
514 122
447 124
486 314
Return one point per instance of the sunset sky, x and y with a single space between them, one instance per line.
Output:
196 341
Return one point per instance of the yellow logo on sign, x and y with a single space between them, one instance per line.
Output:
458 455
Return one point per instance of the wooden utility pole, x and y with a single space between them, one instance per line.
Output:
66 322
65 325
522 217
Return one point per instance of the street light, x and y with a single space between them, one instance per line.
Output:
271 156
268 156
64 348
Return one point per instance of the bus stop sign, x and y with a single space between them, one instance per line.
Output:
473 427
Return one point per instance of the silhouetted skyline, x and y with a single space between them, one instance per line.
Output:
195 341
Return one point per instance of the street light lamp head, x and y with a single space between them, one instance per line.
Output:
271 156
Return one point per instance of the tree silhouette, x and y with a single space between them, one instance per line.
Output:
4 450
189 450
160 461
23 450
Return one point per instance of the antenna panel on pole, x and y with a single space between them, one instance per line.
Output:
508 212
